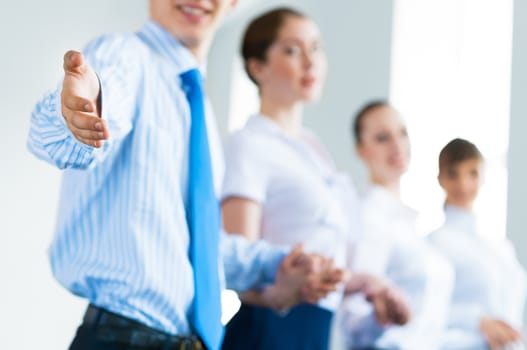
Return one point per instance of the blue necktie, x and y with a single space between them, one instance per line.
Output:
203 218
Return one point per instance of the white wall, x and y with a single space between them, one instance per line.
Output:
36 312
442 85
516 222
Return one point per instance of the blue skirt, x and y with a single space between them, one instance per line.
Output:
305 327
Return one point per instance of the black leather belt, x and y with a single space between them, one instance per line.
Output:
113 328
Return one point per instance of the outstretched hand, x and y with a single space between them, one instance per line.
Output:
80 96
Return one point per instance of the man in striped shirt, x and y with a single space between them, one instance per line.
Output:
119 126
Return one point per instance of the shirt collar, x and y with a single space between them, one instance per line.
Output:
461 218
262 123
389 204
170 48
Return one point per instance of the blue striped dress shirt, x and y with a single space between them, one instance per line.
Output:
121 237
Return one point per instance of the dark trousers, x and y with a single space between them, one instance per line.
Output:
86 339
103 330
305 327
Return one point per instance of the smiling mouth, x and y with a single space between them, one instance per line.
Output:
193 11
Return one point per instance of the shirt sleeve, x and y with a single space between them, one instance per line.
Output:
116 65
245 172
466 316
249 264
357 322
513 299
367 253
370 252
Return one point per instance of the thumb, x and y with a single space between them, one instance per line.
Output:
73 62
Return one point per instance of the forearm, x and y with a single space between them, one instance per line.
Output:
270 297
249 265
357 283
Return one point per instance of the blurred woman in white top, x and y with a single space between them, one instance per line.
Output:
489 293
280 183
389 245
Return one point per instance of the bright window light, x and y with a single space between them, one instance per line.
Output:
451 78
244 96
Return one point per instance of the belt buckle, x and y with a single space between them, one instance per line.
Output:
197 345
191 343
183 345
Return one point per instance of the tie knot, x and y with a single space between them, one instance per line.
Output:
191 78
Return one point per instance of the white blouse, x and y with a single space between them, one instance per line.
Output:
390 247
304 199
489 280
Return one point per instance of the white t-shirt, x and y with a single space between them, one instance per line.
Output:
390 247
489 280
304 199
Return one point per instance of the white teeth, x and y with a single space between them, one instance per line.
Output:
192 10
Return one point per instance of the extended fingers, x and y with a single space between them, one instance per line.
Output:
86 122
76 103
86 127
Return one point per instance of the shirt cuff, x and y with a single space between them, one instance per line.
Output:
271 262
249 264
